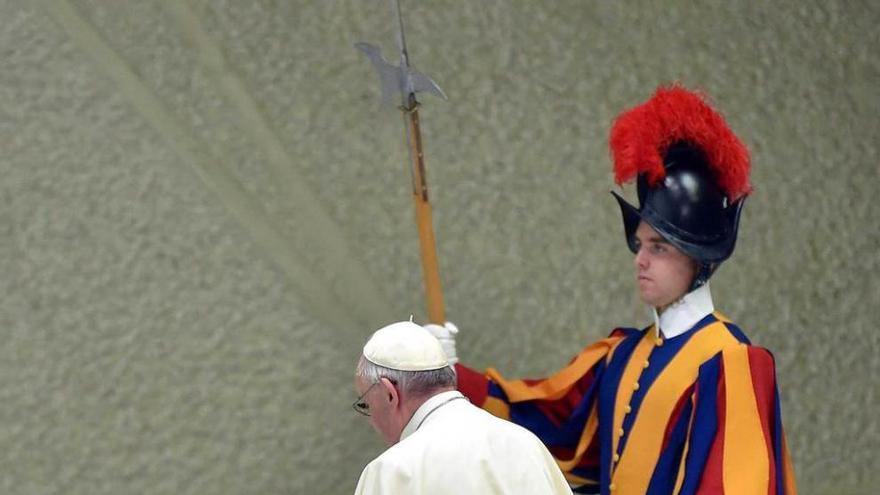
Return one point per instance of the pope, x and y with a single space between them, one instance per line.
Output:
439 443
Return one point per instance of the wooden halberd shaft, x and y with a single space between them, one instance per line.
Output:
424 217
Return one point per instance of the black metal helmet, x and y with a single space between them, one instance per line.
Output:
692 175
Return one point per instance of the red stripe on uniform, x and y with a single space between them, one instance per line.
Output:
763 381
472 384
676 415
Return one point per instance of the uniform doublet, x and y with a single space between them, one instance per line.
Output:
696 412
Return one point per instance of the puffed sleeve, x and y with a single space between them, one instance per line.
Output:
560 410
736 441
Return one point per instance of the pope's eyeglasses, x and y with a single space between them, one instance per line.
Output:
360 405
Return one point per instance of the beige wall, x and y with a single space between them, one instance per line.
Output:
204 213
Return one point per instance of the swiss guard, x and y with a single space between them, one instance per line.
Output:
685 405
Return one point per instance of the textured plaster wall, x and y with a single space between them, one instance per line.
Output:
204 213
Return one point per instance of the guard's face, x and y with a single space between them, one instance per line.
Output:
663 272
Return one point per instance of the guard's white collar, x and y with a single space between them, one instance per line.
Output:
683 314
428 407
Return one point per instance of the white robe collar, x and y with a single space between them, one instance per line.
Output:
428 407
683 314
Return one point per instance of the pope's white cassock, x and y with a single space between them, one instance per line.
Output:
452 447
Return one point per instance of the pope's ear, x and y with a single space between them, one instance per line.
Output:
389 391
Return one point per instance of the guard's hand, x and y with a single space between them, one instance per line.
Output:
446 335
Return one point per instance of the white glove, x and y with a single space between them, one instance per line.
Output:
446 335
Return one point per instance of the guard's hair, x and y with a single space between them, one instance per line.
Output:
413 383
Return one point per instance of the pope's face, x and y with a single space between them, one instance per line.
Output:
663 272
381 406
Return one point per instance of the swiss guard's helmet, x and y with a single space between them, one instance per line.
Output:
692 175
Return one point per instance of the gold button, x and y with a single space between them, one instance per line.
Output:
611 487
658 341
620 432
616 457
628 409
636 386
647 363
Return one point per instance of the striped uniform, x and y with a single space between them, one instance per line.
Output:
634 413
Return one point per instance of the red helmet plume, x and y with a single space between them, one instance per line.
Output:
641 136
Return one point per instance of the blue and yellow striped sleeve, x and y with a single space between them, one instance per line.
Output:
560 410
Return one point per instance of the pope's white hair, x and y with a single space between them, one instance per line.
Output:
408 382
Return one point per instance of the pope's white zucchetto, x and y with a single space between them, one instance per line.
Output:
405 346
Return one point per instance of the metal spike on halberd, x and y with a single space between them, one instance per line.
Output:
402 78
